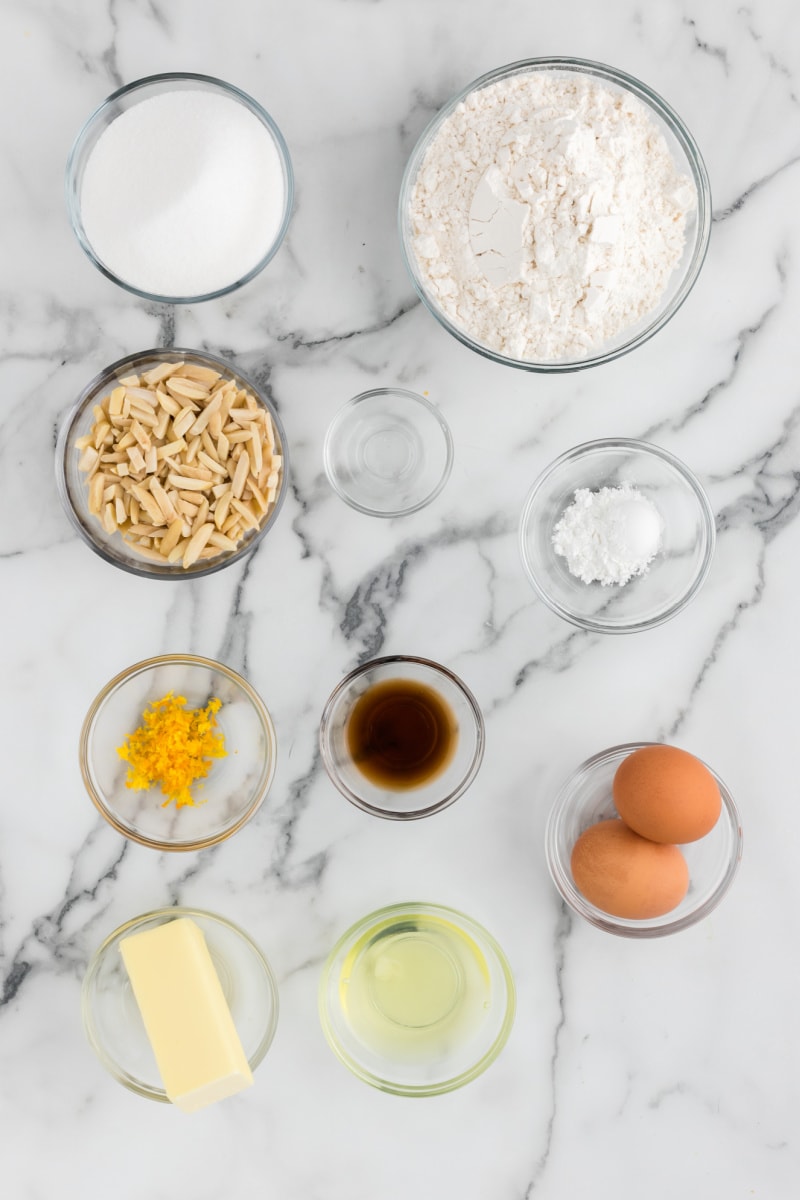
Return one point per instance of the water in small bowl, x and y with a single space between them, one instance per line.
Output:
388 452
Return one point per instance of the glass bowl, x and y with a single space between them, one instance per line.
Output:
424 778
125 99
587 798
417 999
675 574
686 156
235 786
74 489
388 452
111 1015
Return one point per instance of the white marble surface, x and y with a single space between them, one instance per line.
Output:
660 1069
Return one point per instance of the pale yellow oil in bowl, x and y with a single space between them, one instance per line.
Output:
414 988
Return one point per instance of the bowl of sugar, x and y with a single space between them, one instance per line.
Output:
616 535
179 188
555 214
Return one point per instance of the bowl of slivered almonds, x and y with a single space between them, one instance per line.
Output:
171 464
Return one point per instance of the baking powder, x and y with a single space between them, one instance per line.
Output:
608 536
183 193
548 215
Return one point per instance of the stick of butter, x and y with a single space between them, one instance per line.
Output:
185 1014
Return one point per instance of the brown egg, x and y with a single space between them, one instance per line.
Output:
666 794
627 875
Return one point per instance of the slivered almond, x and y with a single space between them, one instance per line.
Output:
136 458
186 389
162 425
255 453
220 539
96 488
167 402
161 372
141 435
186 483
212 464
115 402
191 449
184 420
140 396
197 543
189 370
171 537
145 417
163 501
170 449
246 513
242 416
240 474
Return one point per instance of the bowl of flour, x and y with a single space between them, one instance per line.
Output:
616 535
555 214
179 187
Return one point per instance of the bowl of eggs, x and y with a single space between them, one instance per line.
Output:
643 840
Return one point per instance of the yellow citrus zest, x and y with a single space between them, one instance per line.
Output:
173 747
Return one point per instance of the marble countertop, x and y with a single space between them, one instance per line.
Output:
658 1068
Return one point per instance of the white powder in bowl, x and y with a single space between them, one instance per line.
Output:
547 215
608 536
183 194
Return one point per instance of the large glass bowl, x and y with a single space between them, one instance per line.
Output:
686 156
124 99
678 569
111 1016
235 786
452 1025
74 491
587 797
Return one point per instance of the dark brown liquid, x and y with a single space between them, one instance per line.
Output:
401 734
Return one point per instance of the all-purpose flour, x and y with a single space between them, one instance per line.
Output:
548 215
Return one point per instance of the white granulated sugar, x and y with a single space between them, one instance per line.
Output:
548 215
608 536
183 193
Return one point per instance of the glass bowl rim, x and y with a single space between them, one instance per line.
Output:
472 927
418 813
621 926
210 83
652 101
96 960
88 395
123 677
707 522
335 424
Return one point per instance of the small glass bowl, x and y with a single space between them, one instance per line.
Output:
462 978
686 155
587 798
74 491
111 1016
122 101
410 803
676 573
235 786
388 452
